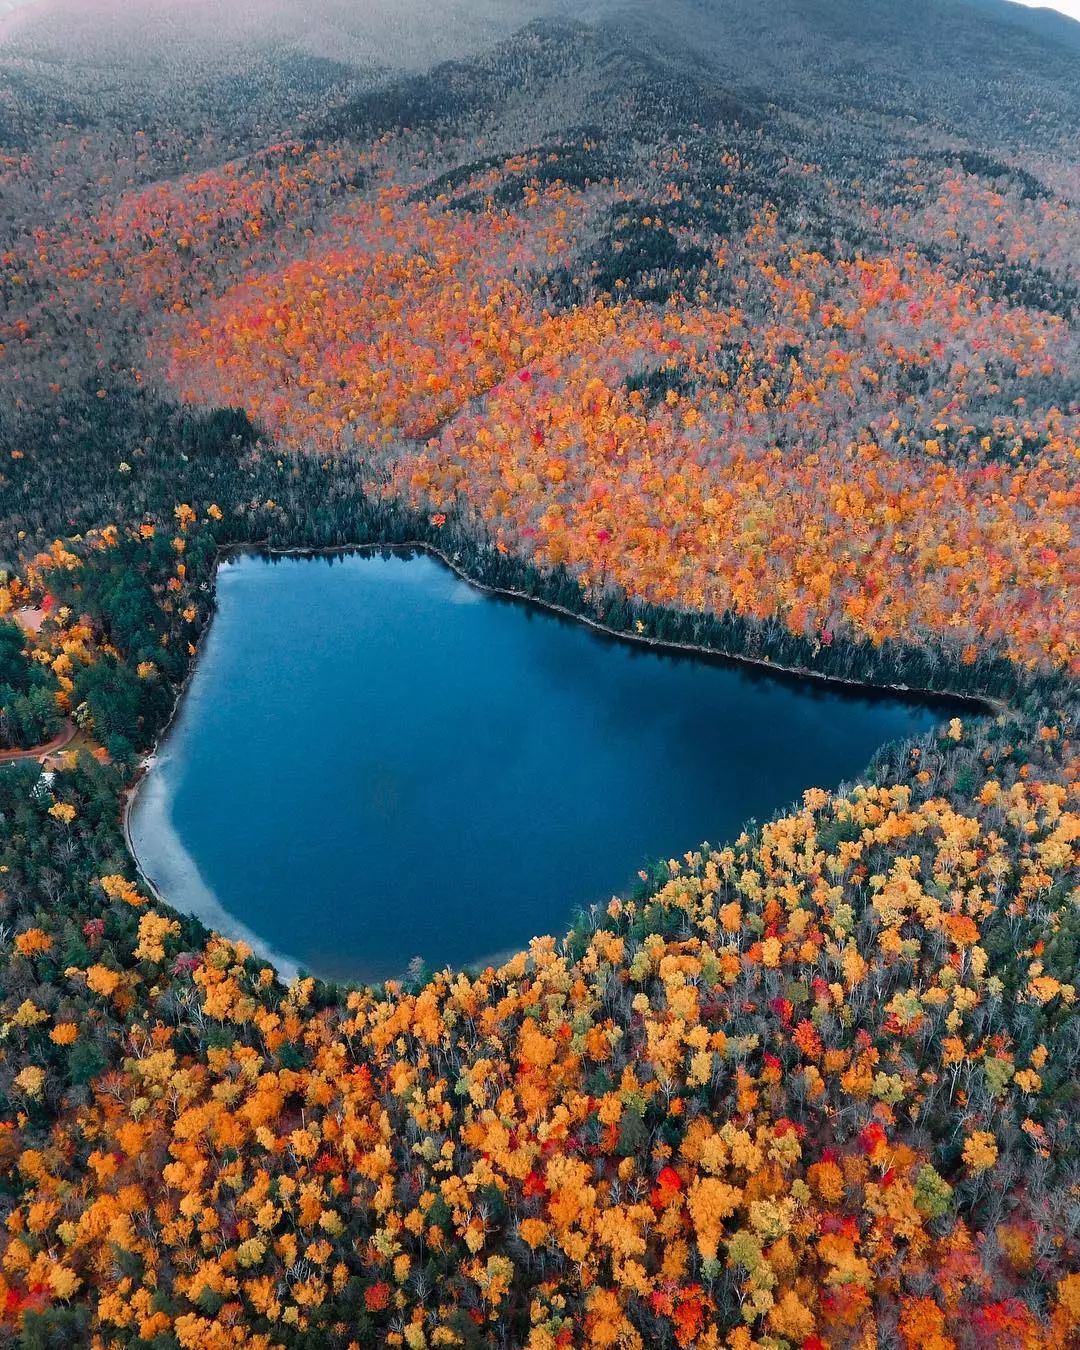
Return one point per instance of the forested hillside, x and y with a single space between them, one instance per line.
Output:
748 327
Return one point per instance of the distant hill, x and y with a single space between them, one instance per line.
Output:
266 59
984 72
969 65
984 69
162 33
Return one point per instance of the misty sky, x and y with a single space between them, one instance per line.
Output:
1069 7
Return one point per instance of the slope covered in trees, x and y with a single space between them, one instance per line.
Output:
650 322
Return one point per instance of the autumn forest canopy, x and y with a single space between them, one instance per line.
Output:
747 326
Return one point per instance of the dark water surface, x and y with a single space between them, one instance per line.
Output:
375 761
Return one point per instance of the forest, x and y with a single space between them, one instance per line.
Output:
787 371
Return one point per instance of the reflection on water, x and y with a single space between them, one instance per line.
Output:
175 874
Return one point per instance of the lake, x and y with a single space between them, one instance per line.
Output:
375 761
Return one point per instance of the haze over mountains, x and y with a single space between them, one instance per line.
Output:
874 53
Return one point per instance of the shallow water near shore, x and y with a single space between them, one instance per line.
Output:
375 761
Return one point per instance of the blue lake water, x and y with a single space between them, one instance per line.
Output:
374 761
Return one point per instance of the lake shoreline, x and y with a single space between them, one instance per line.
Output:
989 706
286 967
206 908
